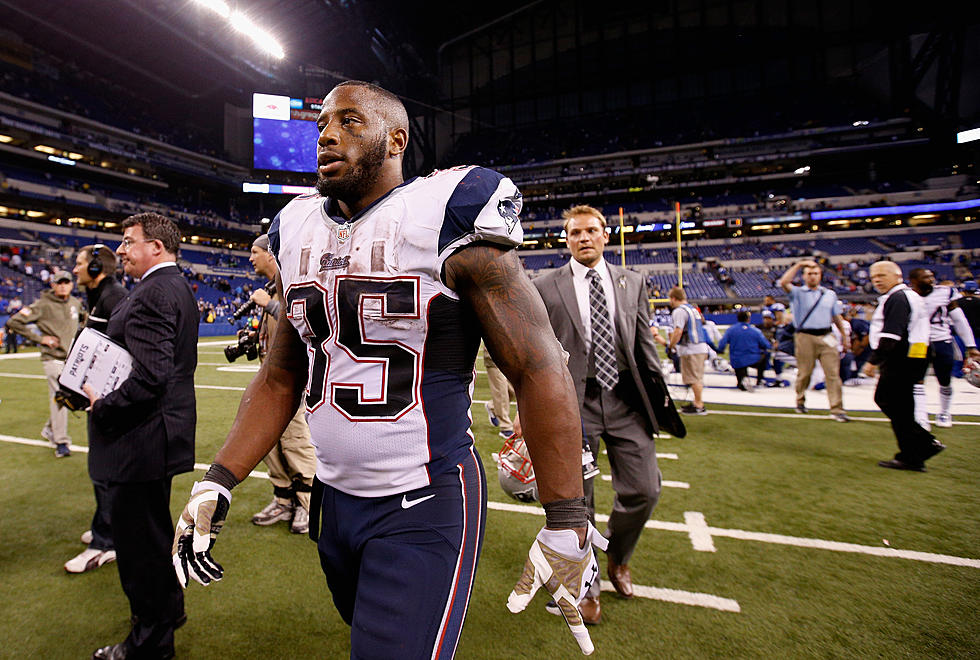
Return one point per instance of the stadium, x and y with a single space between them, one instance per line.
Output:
723 141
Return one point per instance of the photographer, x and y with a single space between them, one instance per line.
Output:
291 462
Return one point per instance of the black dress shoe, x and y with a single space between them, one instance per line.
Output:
121 652
114 652
933 449
896 464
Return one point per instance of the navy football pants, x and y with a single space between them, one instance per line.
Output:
400 568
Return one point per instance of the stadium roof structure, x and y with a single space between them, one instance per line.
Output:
186 49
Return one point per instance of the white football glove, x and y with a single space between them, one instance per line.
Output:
566 571
199 524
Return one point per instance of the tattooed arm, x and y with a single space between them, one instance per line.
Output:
520 340
269 403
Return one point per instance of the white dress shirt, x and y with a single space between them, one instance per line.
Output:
162 264
581 283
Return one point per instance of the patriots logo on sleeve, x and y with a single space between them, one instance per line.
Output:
509 209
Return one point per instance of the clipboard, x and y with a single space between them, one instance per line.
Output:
96 360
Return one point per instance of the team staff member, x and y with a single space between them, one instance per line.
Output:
899 341
142 434
747 347
599 313
291 462
690 341
95 271
51 322
389 285
813 309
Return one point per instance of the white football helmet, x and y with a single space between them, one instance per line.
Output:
515 472
971 373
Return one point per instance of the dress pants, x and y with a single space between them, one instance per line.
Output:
143 532
893 395
101 523
633 461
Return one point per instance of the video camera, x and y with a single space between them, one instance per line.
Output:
248 345
249 305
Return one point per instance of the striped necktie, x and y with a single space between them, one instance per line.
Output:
603 353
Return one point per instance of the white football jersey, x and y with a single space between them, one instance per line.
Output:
937 309
391 348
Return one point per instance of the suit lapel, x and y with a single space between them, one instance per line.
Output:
625 323
566 290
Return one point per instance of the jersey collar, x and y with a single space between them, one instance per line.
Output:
330 210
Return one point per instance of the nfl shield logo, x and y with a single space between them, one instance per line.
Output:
343 233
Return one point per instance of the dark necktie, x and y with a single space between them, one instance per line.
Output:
603 352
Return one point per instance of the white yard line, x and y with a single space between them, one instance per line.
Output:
681 597
198 387
698 531
694 525
714 411
762 537
668 455
665 484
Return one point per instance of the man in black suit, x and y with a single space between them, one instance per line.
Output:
620 387
142 434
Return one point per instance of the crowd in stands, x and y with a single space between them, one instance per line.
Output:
25 272
580 133
184 205
63 85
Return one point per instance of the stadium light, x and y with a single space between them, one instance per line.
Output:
968 136
262 39
219 7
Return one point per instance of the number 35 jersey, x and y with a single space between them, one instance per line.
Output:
390 347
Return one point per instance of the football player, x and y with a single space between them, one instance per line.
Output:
389 286
944 316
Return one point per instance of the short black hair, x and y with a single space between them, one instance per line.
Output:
156 228
743 316
103 254
916 273
392 108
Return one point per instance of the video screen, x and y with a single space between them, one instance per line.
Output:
284 133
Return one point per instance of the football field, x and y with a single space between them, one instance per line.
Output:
776 535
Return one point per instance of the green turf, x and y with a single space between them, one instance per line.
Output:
799 477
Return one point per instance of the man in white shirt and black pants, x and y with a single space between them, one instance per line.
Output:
899 341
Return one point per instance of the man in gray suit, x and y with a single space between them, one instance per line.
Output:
600 315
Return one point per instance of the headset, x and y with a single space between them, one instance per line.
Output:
94 267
